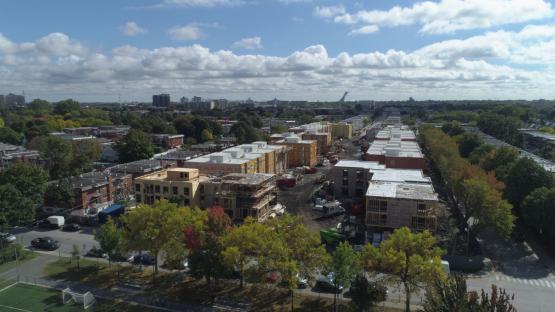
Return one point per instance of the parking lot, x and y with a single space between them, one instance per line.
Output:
83 239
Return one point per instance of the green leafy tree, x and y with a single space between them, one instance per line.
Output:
1 122
452 128
66 107
538 211
452 295
151 227
136 145
412 259
30 180
364 294
524 177
40 107
206 135
56 152
109 238
15 208
345 265
84 153
253 247
278 129
8 135
468 142
60 194
500 160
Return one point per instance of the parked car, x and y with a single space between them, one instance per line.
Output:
96 252
326 284
144 259
7 238
118 257
46 243
302 282
71 227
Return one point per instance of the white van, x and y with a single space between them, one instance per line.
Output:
58 221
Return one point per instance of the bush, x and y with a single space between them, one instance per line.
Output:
8 253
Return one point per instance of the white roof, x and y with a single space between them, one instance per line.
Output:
415 176
359 164
401 191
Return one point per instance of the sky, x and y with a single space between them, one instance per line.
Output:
287 49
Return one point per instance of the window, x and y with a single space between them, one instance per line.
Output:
165 190
345 172
201 189
138 198
186 202
157 188
359 193
137 188
345 191
377 205
421 208
360 175
186 191
345 182
376 218
174 190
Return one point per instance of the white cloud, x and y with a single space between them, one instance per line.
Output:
132 29
248 43
185 33
365 30
56 66
329 11
448 16
200 3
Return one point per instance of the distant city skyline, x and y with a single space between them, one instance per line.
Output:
104 51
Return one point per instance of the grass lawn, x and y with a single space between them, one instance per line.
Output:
23 297
29 255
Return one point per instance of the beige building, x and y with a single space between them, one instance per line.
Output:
299 152
323 140
240 194
176 184
258 157
342 130
397 197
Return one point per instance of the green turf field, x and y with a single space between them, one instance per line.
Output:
23 297
26 298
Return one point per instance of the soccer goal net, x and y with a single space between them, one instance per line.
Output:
87 299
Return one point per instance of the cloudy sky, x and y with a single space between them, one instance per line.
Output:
289 49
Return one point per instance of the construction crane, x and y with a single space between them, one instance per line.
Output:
342 100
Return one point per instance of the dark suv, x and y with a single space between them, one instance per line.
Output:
45 243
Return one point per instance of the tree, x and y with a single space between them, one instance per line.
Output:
60 194
66 107
1 122
306 254
8 135
253 247
364 294
468 142
538 211
151 227
15 208
524 177
84 153
30 180
452 128
206 135
412 259
345 265
451 295
76 254
40 107
206 244
56 152
278 129
500 160
136 145
109 237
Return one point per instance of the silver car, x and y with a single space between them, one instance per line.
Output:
7 238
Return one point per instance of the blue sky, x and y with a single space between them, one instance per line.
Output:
290 49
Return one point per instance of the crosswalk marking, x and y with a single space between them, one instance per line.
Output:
532 282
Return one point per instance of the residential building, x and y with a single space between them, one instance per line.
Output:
168 141
175 184
141 167
114 132
93 192
11 154
161 100
300 152
241 195
14 100
396 148
323 140
351 178
535 140
342 130
258 157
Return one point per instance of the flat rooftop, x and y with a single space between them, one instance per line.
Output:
401 191
395 148
239 154
138 166
359 164
243 178
414 176
163 175
538 134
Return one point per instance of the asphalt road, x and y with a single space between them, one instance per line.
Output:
83 239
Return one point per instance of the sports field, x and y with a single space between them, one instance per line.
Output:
23 298
28 298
